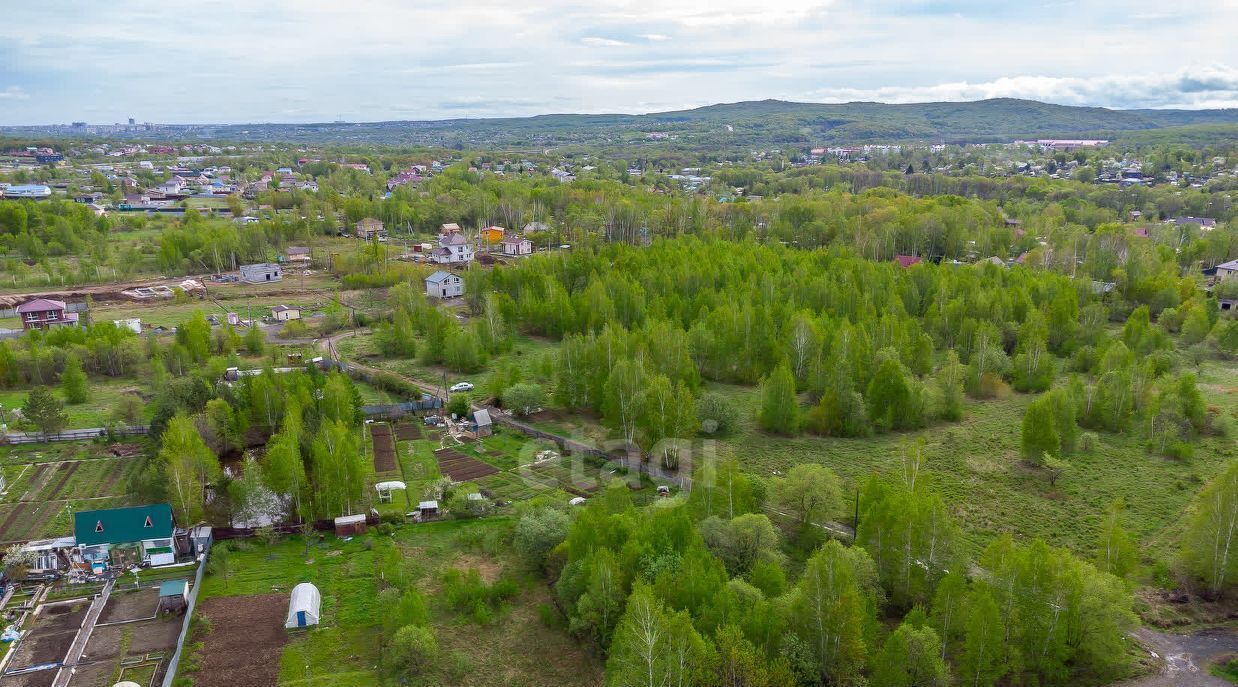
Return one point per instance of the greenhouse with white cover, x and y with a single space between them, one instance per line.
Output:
304 605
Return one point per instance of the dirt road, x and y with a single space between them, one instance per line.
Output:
1186 657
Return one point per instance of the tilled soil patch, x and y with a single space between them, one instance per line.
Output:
123 606
43 678
460 467
39 648
144 638
246 638
407 431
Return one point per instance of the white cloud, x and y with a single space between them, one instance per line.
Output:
599 42
700 14
391 59
1193 87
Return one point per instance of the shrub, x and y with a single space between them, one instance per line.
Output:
538 532
715 414
458 405
1087 442
524 399
467 593
412 649
294 329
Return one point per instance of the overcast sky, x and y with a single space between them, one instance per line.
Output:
369 60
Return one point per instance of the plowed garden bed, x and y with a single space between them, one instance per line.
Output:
384 448
460 467
407 431
245 642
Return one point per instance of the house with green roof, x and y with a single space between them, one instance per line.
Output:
137 535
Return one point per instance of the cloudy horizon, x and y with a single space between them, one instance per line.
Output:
379 60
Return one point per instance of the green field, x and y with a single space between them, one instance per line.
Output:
976 466
345 650
527 353
95 412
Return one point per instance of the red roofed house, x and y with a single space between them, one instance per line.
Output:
907 260
43 313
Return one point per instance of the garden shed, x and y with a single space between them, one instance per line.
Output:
349 525
485 426
173 596
304 606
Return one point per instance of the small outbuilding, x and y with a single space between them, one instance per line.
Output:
304 606
283 313
298 254
485 425
428 509
349 525
173 596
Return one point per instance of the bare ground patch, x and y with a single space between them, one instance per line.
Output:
130 606
246 638
489 569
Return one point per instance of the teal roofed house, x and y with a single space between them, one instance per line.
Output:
138 535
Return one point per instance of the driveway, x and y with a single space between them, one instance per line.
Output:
1186 657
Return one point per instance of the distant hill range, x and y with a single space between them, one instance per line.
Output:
763 123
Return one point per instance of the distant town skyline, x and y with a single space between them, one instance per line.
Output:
373 60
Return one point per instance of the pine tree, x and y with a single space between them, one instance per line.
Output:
45 410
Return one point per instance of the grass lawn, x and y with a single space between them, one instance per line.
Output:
528 353
345 649
95 412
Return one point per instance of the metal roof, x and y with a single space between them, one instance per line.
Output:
122 525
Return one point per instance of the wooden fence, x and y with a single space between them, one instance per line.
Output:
73 434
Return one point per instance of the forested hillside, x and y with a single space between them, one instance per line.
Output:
751 123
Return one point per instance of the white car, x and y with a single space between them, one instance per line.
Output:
462 386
